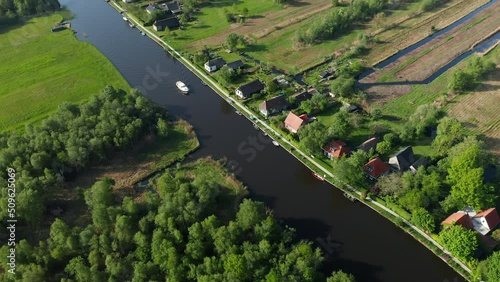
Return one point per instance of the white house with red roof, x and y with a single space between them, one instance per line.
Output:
486 221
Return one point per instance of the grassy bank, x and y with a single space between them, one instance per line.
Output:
42 69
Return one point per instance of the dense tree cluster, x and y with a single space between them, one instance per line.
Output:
69 140
466 79
424 117
459 241
170 235
11 10
341 19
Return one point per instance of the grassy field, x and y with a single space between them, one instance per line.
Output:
41 69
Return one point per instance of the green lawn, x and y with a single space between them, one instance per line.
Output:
41 69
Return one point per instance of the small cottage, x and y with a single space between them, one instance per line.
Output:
247 90
214 64
274 105
336 149
293 123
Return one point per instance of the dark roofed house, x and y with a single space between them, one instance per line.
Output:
174 7
293 122
250 88
161 25
459 218
336 149
214 64
150 9
368 144
403 159
238 64
376 168
324 74
273 105
420 162
301 97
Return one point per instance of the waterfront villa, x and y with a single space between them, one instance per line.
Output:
214 64
245 91
483 222
376 168
274 105
336 149
293 122
161 25
238 64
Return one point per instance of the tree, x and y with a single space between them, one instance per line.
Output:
493 267
250 214
423 219
234 40
340 276
227 74
343 86
465 175
313 137
340 127
390 184
449 132
383 147
351 169
459 241
461 81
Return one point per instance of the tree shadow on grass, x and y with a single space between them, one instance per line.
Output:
298 3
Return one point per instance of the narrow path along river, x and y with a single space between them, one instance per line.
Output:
354 237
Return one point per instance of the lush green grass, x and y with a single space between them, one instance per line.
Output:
210 20
41 69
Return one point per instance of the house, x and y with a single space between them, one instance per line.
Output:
173 7
486 221
273 105
368 144
58 27
250 88
301 97
324 74
293 122
459 218
420 162
170 23
238 64
336 149
403 159
150 9
214 64
376 168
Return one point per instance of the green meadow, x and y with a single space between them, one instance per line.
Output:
41 69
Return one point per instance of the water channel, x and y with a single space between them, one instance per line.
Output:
353 237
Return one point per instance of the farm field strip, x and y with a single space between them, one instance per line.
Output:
414 28
444 50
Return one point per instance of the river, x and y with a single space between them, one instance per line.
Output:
353 237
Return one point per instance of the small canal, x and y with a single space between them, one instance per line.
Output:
352 236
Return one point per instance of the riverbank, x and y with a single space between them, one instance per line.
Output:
223 93
67 70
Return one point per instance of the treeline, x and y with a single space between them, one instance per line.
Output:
11 10
340 20
43 156
468 78
172 234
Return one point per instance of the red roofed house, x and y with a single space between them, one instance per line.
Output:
486 220
459 218
336 149
294 122
376 168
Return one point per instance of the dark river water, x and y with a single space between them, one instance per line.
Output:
354 237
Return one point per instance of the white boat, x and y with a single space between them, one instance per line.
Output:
238 113
142 32
275 143
182 87
131 25
125 19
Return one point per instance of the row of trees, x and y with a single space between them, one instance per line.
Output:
341 19
11 10
171 235
468 78
69 140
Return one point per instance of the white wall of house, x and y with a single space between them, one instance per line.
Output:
394 162
210 68
239 94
